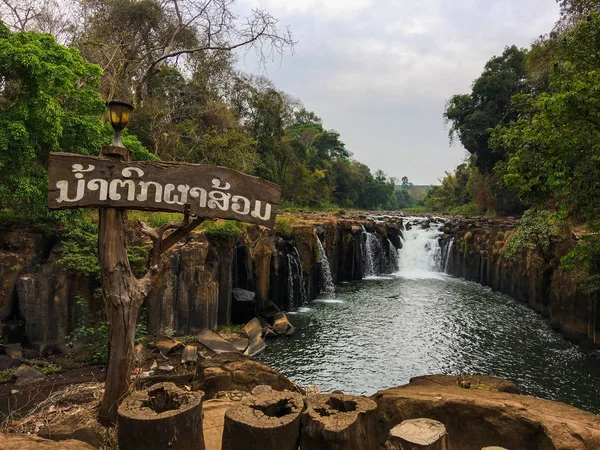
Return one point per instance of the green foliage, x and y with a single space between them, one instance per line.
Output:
80 249
7 374
555 144
584 259
233 328
538 232
221 230
284 224
137 255
49 368
471 116
48 102
92 330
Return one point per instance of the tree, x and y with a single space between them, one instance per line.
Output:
571 11
472 116
134 40
47 102
554 144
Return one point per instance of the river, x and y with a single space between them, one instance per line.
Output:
380 332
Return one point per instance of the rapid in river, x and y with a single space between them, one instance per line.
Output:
380 332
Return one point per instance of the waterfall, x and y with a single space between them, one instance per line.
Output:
369 253
449 253
296 272
393 261
290 286
326 279
421 254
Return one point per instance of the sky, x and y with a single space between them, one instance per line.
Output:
379 72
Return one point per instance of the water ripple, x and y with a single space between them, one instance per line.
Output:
380 333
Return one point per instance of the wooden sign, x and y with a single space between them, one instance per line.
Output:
76 181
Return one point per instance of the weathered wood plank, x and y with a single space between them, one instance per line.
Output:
76 181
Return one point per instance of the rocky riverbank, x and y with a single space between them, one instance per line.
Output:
206 278
474 411
474 250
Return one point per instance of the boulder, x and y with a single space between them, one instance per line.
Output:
215 343
476 418
14 350
244 305
28 375
240 343
88 431
236 372
62 349
425 434
189 354
253 328
6 362
481 382
28 442
167 345
281 325
256 346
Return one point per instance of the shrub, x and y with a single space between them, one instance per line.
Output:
538 231
284 225
80 249
221 230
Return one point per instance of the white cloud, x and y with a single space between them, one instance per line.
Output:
380 71
314 7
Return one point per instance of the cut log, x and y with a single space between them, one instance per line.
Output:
494 448
270 421
339 422
161 417
418 434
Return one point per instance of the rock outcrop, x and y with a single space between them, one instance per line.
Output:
27 442
234 372
38 297
476 418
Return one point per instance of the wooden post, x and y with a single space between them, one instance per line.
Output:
161 417
339 422
123 299
418 434
271 421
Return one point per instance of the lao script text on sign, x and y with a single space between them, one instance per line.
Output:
76 181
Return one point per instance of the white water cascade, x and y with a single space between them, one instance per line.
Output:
296 272
369 253
449 254
326 278
421 254
393 256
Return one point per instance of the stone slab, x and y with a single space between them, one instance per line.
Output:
215 342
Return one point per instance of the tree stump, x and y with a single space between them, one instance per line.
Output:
269 421
339 421
161 417
418 434
494 448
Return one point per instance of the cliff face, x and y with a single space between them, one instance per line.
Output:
38 298
474 251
